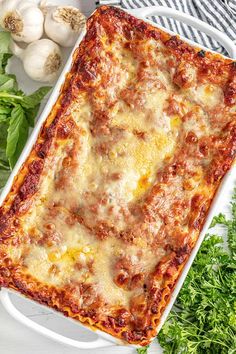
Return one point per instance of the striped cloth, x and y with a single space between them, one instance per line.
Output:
221 14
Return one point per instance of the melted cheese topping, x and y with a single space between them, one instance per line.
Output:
87 199
137 161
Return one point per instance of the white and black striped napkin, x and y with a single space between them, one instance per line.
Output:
221 14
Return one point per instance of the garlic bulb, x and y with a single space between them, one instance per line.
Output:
22 18
63 24
41 59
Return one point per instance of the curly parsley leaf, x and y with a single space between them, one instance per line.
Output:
219 219
143 350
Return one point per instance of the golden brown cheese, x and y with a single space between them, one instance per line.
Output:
109 204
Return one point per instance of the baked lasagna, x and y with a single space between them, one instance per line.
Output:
105 211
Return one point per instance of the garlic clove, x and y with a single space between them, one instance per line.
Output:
63 24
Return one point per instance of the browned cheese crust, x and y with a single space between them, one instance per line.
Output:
105 211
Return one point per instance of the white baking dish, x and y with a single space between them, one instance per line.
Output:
105 340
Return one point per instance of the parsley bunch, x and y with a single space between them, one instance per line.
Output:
204 316
17 113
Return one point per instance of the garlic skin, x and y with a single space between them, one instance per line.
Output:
63 24
42 59
22 18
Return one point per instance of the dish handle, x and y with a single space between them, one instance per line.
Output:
220 37
19 316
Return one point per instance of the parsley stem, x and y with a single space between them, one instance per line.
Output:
184 319
199 335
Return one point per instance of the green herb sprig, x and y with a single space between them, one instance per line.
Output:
17 113
143 350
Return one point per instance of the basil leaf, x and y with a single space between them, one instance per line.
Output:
3 61
17 117
4 42
4 50
17 113
7 82
31 115
24 132
4 165
5 110
17 134
3 138
35 98
4 174
3 118
9 98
